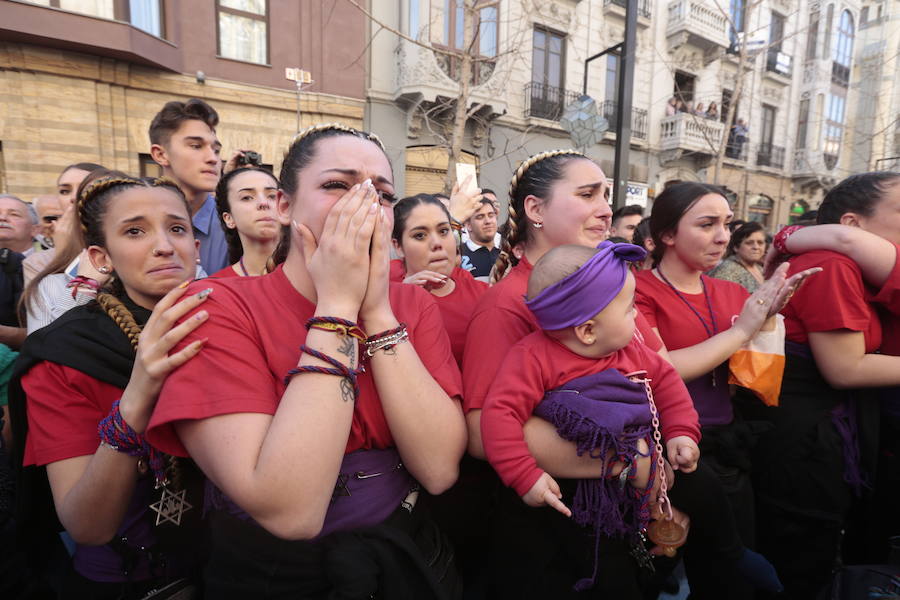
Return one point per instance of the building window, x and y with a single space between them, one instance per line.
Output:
413 20
829 24
844 47
737 18
812 37
243 27
612 77
148 167
864 16
146 15
547 88
776 32
834 129
802 124
485 23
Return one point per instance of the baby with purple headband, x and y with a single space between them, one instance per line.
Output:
589 374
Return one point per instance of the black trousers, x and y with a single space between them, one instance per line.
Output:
537 553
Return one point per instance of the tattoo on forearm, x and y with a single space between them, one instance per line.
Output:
347 349
347 393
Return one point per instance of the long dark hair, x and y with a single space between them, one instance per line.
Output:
670 206
223 205
534 177
404 207
857 194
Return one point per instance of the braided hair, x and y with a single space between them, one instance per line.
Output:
534 177
302 150
92 205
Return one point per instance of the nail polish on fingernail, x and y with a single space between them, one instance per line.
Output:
373 207
202 295
201 315
367 183
184 284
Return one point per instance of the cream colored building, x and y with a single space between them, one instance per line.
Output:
797 73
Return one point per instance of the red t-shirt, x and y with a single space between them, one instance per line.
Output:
500 320
64 408
398 270
226 272
255 328
680 327
537 364
677 324
457 308
888 299
833 299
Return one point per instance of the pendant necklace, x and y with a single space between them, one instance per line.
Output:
712 316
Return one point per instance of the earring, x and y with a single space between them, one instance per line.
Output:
537 225
197 261
104 270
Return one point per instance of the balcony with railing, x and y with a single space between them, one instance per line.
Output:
610 112
697 23
770 155
779 63
808 164
618 7
690 133
546 102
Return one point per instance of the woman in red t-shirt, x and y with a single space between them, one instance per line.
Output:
703 321
314 458
424 240
82 371
822 454
245 201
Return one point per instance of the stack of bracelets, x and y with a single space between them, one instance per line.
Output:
83 285
118 435
780 239
382 341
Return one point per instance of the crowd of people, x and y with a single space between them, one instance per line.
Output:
227 384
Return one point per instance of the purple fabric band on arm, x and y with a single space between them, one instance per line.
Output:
587 291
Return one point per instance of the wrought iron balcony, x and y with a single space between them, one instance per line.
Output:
610 112
697 23
691 133
545 101
644 9
770 155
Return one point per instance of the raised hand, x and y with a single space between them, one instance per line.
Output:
376 306
153 362
463 205
338 262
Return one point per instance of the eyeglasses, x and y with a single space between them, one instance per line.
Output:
50 218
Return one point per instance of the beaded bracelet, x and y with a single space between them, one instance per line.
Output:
118 435
342 327
81 281
339 369
386 340
780 240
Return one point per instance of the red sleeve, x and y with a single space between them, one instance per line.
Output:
398 271
647 335
515 392
229 375
831 300
677 415
492 332
432 344
64 407
889 294
644 302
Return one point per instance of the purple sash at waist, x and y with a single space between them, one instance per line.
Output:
370 486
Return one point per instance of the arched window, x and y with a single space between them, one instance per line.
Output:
843 50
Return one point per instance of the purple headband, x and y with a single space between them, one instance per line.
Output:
578 297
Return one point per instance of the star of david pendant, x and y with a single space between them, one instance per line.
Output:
171 506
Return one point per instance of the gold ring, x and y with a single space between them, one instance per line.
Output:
760 301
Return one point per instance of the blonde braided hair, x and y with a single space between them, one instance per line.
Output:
516 227
122 317
334 126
